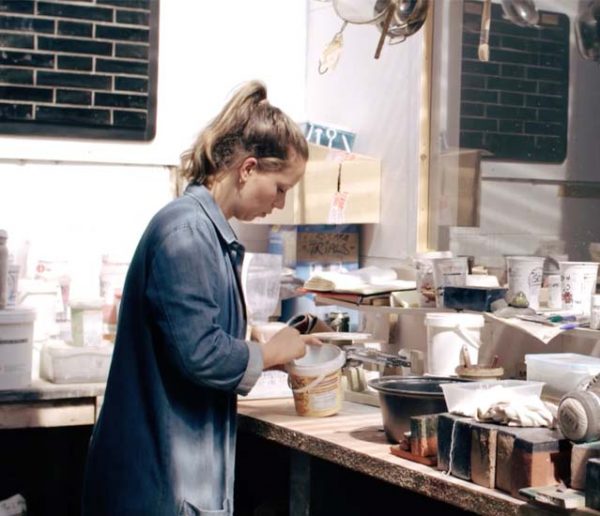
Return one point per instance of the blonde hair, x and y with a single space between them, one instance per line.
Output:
248 125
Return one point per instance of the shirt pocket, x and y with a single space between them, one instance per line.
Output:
187 509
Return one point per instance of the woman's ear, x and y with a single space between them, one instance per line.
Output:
247 167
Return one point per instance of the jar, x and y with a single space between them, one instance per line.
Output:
86 322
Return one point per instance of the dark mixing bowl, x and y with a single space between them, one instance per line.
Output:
402 397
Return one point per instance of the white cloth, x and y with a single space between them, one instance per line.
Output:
502 405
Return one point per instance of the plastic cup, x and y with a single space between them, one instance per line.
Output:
448 272
524 275
578 283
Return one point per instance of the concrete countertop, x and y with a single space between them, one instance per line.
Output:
354 438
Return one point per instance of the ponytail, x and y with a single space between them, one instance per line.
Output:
248 125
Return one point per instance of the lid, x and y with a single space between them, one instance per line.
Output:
17 315
317 360
452 320
3 233
87 304
566 360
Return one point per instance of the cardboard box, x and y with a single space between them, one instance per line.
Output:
318 247
337 188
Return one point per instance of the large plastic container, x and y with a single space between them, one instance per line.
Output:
447 333
16 347
457 394
562 372
61 363
316 381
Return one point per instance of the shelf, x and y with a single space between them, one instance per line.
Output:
324 300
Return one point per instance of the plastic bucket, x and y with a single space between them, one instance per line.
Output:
315 380
16 347
447 333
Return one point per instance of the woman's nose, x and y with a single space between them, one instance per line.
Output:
280 202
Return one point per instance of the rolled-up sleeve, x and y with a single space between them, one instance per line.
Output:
189 284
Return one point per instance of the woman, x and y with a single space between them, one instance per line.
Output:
165 440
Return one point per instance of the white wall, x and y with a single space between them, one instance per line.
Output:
77 199
379 100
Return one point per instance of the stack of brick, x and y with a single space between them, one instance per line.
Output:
501 457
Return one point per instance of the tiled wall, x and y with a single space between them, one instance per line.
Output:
78 68
516 104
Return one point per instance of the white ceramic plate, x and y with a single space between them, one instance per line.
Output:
342 335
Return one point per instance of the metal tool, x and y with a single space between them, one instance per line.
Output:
372 356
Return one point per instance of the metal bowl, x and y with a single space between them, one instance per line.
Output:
402 397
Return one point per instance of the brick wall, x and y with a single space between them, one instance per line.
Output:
516 104
79 68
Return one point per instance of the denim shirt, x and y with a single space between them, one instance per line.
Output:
165 440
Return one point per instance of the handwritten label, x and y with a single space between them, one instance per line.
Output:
327 247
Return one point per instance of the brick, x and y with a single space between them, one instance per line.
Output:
15 111
120 100
121 66
26 93
63 10
16 6
122 33
83 64
75 46
133 17
79 97
29 59
531 457
592 483
134 4
132 119
66 28
131 50
580 454
25 24
17 76
483 455
10 40
454 445
423 435
131 84
72 115
74 79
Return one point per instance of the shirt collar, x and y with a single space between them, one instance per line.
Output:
212 209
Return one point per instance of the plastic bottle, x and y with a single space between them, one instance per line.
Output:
3 269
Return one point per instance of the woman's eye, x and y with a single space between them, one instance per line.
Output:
280 190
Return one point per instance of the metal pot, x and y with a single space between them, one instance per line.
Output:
409 16
402 397
521 12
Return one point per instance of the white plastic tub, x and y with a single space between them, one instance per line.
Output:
16 347
460 394
61 363
562 372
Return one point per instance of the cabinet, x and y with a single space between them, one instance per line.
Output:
337 188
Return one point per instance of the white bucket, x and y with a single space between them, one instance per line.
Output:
315 380
16 347
447 333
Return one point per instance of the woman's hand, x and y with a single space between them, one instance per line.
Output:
286 345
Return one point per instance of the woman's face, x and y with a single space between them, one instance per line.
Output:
263 191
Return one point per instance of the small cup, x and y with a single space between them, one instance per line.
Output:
448 272
578 283
525 275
